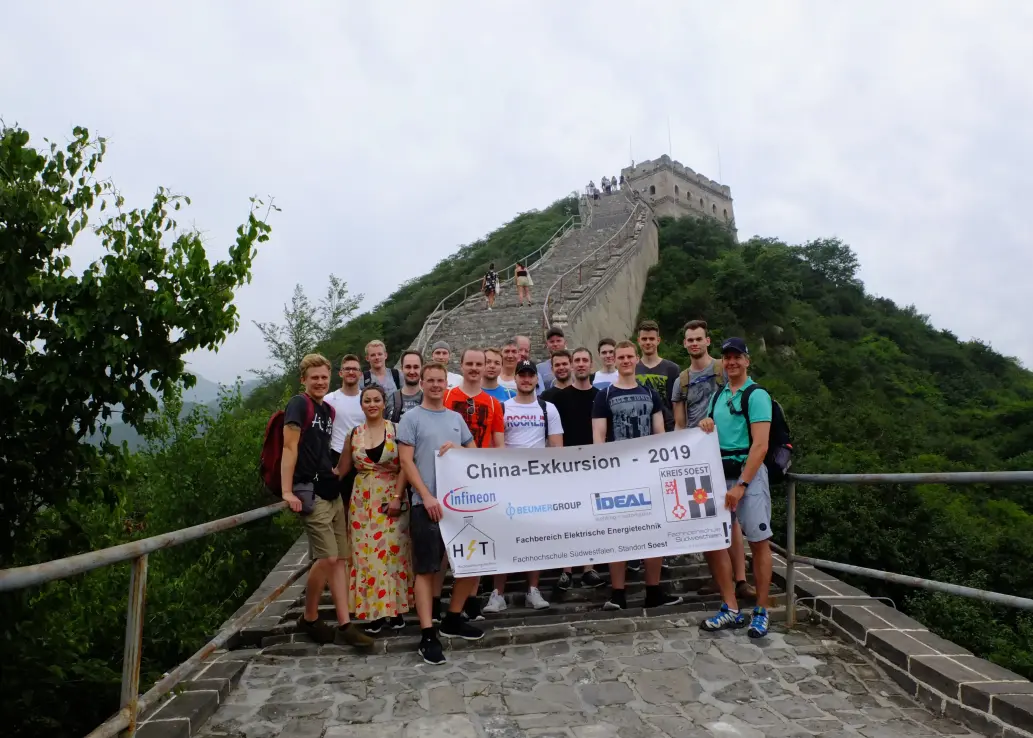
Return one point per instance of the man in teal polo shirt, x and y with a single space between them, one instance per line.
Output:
749 497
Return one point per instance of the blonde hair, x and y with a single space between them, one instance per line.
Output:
374 343
313 360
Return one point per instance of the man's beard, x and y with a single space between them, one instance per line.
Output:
412 384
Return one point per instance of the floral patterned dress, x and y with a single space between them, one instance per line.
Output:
381 583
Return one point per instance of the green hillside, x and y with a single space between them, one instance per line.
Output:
872 387
398 319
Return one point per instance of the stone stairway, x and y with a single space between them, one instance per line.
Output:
683 575
470 324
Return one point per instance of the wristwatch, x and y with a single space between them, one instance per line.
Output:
743 483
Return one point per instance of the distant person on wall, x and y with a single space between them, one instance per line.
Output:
746 476
346 404
530 422
523 284
653 371
490 284
606 185
623 182
380 573
311 489
625 410
442 354
608 358
574 404
490 377
410 395
425 432
613 183
554 341
510 357
378 373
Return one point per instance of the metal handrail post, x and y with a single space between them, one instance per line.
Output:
133 647
791 555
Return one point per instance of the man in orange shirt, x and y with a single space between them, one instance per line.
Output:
482 412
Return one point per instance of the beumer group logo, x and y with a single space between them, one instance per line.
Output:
544 507
461 500
626 502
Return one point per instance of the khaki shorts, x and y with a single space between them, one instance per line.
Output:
327 530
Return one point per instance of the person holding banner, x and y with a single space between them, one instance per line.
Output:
423 433
746 476
530 422
622 411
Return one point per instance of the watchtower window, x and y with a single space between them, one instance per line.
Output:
725 212
701 202
714 209
652 189
676 189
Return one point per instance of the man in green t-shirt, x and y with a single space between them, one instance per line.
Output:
749 497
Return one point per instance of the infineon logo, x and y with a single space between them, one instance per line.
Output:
626 502
462 501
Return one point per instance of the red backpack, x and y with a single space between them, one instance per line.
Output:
272 445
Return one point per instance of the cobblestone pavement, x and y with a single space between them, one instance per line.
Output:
671 680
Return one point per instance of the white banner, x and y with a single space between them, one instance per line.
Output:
514 510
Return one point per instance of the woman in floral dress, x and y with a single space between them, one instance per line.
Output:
380 586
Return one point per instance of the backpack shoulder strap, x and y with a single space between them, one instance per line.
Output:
683 380
545 417
397 377
719 372
744 406
366 377
310 412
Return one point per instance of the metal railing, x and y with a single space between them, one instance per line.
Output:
132 703
792 558
442 310
605 251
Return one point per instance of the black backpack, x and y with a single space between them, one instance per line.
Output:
779 457
367 378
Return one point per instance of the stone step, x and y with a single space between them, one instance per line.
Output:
523 628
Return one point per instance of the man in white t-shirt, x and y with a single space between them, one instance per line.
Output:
530 423
442 354
346 404
608 356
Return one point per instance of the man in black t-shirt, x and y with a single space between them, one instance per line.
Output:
311 489
574 403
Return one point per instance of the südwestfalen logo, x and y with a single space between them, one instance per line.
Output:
461 500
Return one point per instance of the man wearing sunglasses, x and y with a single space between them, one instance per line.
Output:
749 497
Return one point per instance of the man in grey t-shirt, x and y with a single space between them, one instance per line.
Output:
697 384
423 433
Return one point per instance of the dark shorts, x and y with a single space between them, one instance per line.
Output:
347 483
428 549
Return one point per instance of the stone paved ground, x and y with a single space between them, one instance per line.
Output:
671 680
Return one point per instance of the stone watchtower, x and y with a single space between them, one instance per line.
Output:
675 190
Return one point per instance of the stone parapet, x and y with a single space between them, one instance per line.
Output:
942 675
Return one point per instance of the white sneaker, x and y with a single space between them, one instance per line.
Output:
534 599
496 603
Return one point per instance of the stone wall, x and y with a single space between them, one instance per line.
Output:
610 307
675 190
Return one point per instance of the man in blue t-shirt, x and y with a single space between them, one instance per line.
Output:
742 452
622 411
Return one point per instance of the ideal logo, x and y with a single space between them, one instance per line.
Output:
461 500
625 502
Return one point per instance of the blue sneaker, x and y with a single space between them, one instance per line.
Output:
759 623
725 618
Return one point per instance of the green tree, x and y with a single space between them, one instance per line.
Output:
304 326
72 347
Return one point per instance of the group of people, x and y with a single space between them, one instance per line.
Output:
490 284
366 455
608 185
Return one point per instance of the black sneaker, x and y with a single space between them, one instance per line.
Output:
430 650
665 569
436 610
662 600
456 628
318 630
635 566
618 601
396 623
591 579
564 582
376 626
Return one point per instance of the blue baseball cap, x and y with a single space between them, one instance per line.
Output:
735 344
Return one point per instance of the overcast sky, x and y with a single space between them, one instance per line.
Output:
389 133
